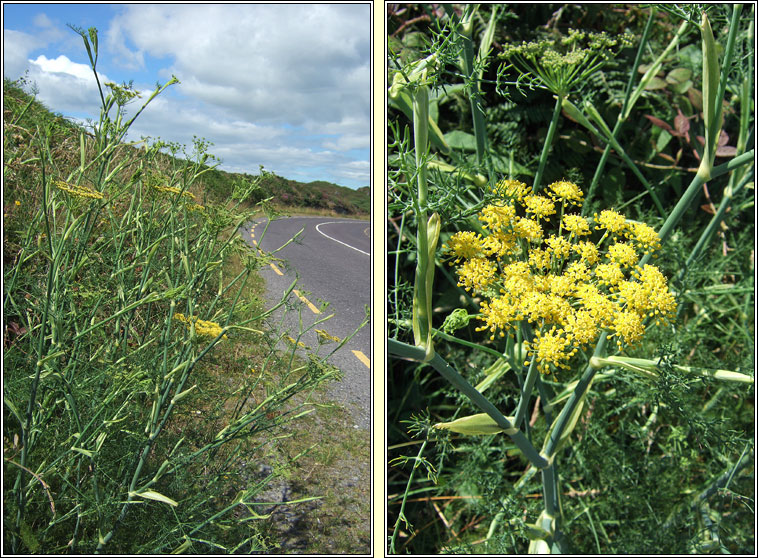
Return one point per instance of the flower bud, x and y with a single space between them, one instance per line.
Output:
479 424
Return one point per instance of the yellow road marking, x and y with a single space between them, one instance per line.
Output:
308 302
276 269
363 358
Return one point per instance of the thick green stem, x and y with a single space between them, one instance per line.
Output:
582 386
421 143
526 393
548 140
726 203
480 129
406 351
549 490
714 87
692 192
427 231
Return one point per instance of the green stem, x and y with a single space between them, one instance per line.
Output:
421 144
468 344
526 393
427 231
568 409
548 140
692 192
726 203
401 514
437 362
653 69
631 97
477 112
26 430
722 481
550 493
715 126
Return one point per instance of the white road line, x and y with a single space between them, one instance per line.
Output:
335 240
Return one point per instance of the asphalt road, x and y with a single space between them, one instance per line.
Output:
332 259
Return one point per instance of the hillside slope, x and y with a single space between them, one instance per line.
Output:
286 194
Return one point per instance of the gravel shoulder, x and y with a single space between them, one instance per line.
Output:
337 436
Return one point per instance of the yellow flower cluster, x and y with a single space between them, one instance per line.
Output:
294 341
202 327
174 190
78 190
188 198
569 287
325 337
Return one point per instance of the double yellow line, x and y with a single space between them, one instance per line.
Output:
358 354
276 269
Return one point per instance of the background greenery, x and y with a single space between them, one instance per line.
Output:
644 449
215 184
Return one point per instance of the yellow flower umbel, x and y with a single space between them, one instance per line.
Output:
644 237
576 224
174 190
464 245
202 327
570 285
78 190
476 273
325 337
611 221
552 348
511 189
566 192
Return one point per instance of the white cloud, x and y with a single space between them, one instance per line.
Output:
116 44
65 85
348 142
358 171
302 66
16 48
164 114
266 63
47 28
62 65
347 134
17 45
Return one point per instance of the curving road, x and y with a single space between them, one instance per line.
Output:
332 259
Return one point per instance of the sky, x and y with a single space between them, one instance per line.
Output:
286 86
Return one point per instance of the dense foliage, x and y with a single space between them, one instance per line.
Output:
659 459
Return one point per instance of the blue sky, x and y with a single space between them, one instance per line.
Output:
286 86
